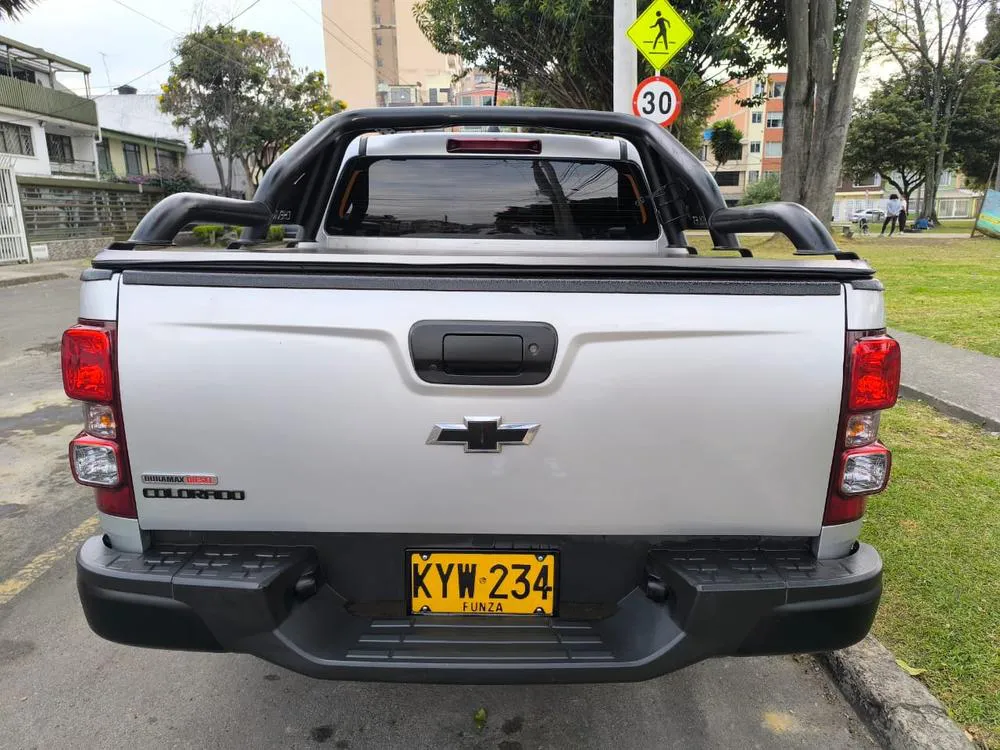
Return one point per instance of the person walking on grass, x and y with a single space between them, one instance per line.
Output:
902 216
892 209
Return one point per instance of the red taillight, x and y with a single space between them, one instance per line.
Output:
494 146
861 464
875 366
98 456
116 502
86 364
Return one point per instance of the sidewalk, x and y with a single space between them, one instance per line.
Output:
26 273
958 382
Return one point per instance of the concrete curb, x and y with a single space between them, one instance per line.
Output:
31 278
901 712
950 408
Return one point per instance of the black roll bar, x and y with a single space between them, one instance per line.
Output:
296 171
796 222
173 213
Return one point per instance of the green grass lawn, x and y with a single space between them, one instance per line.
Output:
947 290
951 226
937 528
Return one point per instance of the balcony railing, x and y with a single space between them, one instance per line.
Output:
41 100
75 168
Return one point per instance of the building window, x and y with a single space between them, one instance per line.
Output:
60 148
432 96
133 164
778 90
754 147
378 40
730 178
756 117
758 88
165 160
947 179
753 176
872 180
775 175
466 101
775 119
16 139
104 157
377 19
487 101
772 150
378 61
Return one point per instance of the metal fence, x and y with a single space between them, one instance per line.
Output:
60 212
13 244
74 168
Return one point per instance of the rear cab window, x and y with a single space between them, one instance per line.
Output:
491 197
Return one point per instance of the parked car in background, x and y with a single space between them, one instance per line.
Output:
869 214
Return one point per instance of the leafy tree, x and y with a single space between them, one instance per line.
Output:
932 41
890 135
559 52
766 190
285 113
974 143
11 9
238 93
218 73
726 143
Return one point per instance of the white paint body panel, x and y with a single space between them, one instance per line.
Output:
865 309
99 299
664 414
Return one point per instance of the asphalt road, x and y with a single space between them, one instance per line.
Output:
61 686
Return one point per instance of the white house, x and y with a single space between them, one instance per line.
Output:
139 114
45 129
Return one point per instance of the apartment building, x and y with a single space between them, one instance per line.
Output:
376 55
763 128
45 128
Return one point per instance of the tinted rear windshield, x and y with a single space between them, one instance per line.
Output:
499 198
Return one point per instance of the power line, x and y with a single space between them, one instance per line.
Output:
200 44
141 75
312 18
335 38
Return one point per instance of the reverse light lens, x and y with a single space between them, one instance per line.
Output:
99 420
86 364
866 470
862 429
95 462
875 367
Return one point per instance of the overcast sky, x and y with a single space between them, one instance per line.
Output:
131 45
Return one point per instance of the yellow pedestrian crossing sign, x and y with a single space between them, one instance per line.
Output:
660 33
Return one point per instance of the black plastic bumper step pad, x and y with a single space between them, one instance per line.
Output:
480 640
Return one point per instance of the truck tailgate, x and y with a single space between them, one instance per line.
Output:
671 413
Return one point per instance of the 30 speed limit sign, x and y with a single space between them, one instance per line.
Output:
657 99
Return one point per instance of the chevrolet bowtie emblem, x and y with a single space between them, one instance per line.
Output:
483 434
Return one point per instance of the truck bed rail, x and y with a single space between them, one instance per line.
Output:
294 189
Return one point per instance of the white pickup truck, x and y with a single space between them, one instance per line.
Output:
489 418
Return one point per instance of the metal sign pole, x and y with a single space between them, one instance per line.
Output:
625 62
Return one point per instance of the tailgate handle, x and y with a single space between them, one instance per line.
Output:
482 353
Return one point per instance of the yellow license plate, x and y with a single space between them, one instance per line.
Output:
482 583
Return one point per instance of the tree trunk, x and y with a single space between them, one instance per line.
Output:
834 109
217 161
250 188
798 103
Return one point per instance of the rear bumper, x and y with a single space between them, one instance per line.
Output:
271 602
